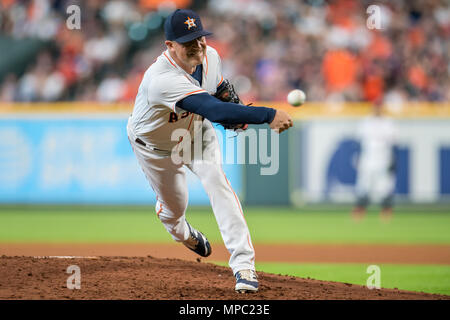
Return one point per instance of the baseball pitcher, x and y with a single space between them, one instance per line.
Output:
184 90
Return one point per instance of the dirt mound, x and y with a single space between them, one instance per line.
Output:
297 253
167 279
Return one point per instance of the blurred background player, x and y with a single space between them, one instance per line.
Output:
376 164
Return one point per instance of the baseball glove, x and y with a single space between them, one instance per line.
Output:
226 93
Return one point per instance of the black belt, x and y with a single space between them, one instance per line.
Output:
140 142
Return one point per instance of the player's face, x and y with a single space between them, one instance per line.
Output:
193 52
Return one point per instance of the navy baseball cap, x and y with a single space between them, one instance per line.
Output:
184 25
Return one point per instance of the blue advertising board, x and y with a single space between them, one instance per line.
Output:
61 159
325 156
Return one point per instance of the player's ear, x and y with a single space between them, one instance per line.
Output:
169 44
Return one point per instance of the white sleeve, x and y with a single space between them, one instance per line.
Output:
170 89
219 78
214 64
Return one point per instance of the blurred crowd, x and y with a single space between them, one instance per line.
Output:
325 48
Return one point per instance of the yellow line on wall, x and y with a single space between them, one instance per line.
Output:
309 110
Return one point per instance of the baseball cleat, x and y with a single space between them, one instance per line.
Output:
386 215
246 281
358 214
197 242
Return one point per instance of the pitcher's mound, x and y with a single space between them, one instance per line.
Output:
170 279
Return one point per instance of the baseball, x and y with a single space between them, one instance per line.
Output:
296 97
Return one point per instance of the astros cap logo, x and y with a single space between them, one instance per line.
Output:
182 26
190 23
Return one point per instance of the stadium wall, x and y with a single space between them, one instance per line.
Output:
78 158
79 153
327 151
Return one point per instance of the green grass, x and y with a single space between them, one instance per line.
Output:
421 278
267 225
90 224
425 278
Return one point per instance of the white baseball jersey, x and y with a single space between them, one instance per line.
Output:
377 138
155 115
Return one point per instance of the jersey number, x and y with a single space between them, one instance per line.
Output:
173 117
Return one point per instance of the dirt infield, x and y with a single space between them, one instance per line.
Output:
167 279
323 253
149 271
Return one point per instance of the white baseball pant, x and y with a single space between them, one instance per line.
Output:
374 180
168 181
